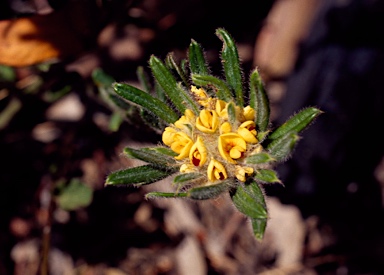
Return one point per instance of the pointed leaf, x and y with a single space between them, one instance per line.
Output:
187 177
179 97
262 157
171 64
266 176
258 100
139 175
296 123
210 191
165 151
152 195
282 148
151 156
147 101
223 92
259 226
231 112
231 64
249 200
197 61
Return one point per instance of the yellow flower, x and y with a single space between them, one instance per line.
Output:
198 153
186 119
208 121
221 109
241 173
216 171
201 96
225 128
249 113
181 144
247 130
231 146
168 135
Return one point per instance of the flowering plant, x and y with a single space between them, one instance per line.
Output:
216 135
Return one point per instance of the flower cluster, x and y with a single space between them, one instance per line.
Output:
210 142
217 135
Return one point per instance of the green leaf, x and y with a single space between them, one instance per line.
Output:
165 151
179 97
171 63
249 200
266 176
259 226
147 101
115 121
259 158
282 147
139 175
160 93
151 156
152 195
143 79
231 112
74 196
258 100
209 191
231 64
296 123
197 61
100 78
151 120
187 177
223 91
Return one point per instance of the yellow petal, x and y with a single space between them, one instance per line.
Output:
248 131
189 114
198 153
249 113
201 96
221 109
167 136
181 144
225 128
231 146
187 119
216 171
241 173
208 121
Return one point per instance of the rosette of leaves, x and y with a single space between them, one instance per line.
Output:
216 132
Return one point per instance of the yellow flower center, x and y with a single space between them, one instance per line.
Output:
231 146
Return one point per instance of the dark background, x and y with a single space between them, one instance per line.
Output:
334 174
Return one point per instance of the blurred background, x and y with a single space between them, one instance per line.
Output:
60 138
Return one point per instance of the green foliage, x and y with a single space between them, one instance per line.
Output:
73 196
